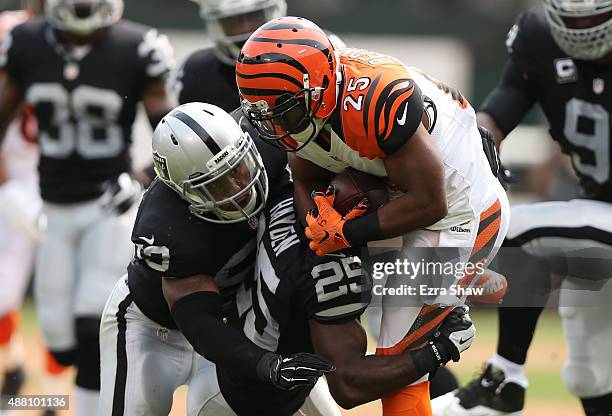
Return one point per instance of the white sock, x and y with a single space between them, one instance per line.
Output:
85 401
514 372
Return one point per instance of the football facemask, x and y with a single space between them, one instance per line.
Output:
581 28
233 190
289 117
83 17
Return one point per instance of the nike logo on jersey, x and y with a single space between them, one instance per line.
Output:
402 121
149 241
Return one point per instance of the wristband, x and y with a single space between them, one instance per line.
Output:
429 358
363 229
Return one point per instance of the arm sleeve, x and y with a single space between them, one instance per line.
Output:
199 317
510 100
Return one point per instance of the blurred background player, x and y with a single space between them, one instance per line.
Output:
208 75
83 71
561 58
19 209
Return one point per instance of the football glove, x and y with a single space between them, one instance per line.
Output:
326 229
455 335
297 371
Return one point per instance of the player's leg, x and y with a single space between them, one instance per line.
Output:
103 253
141 363
538 234
587 327
204 396
54 281
398 330
319 402
16 257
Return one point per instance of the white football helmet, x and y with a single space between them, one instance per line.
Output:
588 43
83 17
201 152
229 23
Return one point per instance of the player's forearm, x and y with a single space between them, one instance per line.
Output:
370 378
411 212
488 122
210 337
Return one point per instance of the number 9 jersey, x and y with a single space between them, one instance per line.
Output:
85 99
576 97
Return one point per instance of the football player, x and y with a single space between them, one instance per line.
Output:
338 108
19 207
560 56
208 75
83 71
194 244
300 301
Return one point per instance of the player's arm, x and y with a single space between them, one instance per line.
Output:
416 169
11 98
307 177
196 307
508 103
361 378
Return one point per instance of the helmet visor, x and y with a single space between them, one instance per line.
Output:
288 117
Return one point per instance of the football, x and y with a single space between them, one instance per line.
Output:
352 186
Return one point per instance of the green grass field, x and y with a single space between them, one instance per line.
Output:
546 394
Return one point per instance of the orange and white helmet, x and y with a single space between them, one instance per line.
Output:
287 74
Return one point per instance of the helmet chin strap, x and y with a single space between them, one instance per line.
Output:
249 208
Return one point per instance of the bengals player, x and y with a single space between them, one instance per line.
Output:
338 108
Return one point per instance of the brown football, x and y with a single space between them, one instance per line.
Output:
352 186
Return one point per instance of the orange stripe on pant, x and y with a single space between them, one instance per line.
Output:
8 325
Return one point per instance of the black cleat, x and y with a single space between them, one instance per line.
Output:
13 381
487 395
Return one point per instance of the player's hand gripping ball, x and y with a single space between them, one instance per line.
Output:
326 228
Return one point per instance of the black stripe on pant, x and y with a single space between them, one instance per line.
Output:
121 372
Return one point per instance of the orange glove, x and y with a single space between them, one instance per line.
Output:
326 229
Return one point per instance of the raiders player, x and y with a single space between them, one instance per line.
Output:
83 71
300 301
208 75
560 57
194 244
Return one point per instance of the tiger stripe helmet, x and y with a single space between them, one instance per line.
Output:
287 77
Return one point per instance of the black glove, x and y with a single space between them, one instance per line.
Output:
298 370
455 335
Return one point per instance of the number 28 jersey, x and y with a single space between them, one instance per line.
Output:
576 97
85 100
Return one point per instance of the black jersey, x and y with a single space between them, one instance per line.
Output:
172 243
291 285
576 97
204 78
85 99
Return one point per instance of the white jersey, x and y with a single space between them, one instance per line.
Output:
453 127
